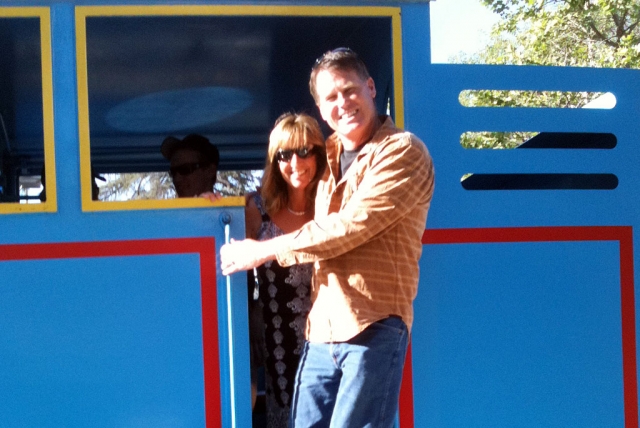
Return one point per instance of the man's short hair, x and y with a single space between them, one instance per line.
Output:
337 59
195 142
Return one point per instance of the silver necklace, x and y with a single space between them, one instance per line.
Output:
298 213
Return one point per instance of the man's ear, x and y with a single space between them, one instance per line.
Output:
372 87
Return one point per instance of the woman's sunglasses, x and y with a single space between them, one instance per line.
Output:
287 155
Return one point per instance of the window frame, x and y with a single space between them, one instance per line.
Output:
84 12
46 67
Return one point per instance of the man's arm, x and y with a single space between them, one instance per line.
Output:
399 178
249 253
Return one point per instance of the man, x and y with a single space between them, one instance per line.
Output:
365 240
194 164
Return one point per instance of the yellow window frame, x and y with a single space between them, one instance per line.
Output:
83 12
44 15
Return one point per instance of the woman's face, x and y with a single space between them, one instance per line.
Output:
298 167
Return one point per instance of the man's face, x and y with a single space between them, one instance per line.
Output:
191 175
346 103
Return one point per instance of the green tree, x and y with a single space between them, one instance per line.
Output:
136 186
237 183
583 33
578 33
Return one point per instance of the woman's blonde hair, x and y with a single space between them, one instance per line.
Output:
292 131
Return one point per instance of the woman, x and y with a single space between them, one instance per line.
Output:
295 163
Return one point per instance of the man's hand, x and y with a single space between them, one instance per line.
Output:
243 255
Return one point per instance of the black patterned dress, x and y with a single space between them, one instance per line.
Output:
284 298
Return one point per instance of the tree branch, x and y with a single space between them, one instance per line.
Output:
619 21
601 36
632 27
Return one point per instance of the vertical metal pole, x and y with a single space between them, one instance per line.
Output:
225 218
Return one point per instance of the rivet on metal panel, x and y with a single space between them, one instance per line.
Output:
225 218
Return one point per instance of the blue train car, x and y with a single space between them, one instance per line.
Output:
115 313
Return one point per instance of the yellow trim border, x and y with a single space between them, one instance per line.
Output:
44 15
83 12
157 204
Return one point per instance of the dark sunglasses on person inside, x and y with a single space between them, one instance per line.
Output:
186 169
287 155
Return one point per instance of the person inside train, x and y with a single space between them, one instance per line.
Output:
193 164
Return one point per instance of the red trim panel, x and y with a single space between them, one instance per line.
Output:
205 247
622 234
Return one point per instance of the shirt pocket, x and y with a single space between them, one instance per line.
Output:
350 187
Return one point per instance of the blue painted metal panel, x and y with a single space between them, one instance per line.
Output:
441 120
70 224
519 334
118 342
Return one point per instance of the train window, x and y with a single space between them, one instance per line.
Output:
539 182
538 140
26 112
550 99
224 73
159 185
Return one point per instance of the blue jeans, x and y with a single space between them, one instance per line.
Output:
352 384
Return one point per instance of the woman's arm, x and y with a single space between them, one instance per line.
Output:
252 216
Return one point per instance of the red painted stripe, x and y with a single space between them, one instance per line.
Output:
406 393
525 234
212 394
627 297
102 248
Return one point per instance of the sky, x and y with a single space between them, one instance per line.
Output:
458 26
